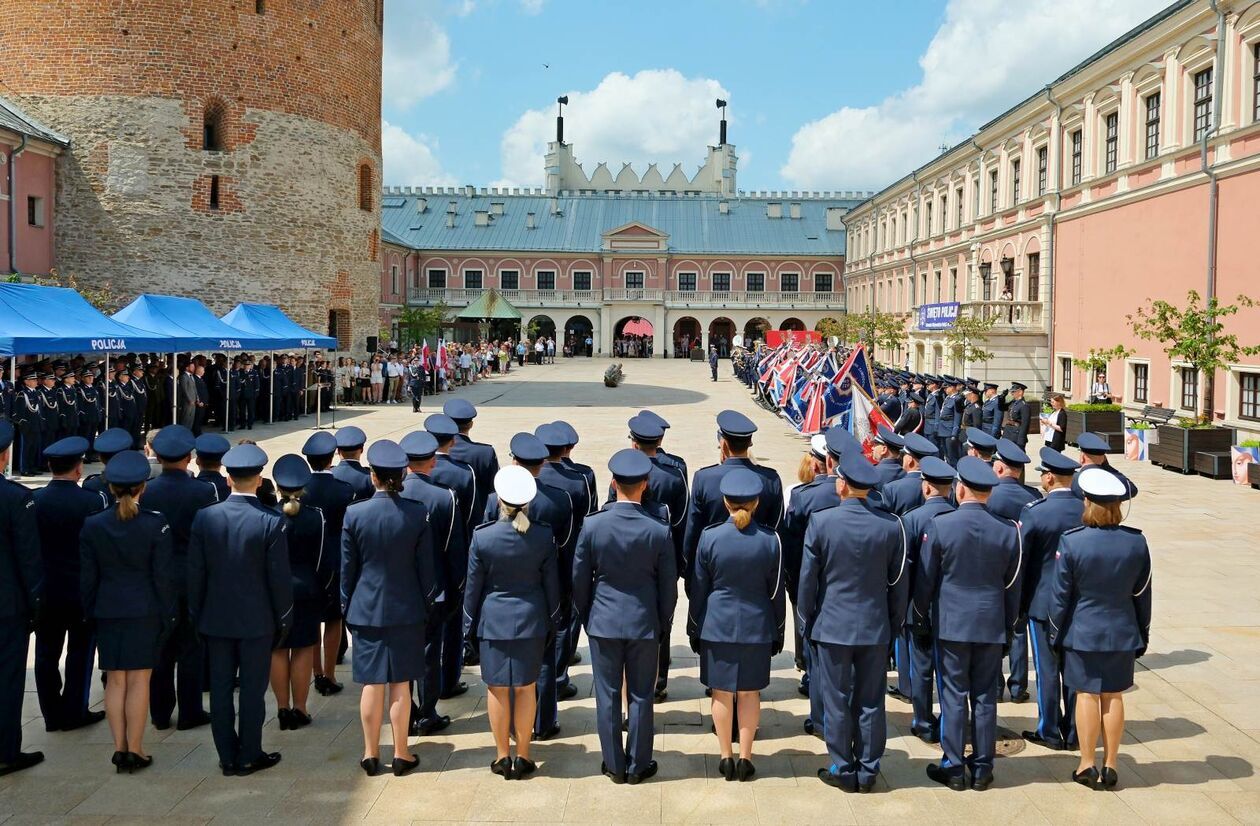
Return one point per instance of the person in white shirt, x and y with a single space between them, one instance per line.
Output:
395 381
551 351
1100 393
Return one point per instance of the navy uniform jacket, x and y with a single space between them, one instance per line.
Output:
806 500
572 483
738 594
1041 525
1017 422
551 508
125 568
310 557
332 496
853 579
675 460
969 566
387 575
903 495
90 406
21 571
991 416
888 470
911 421
460 478
239 582
359 478
60 511
178 497
625 585
1010 496
513 586
450 547
931 407
26 413
707 507
68 402
947 417
49 411
97 484
588 473
666 487
972 416
1101 599
916 523
222 490
484 463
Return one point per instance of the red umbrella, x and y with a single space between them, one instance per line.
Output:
637 327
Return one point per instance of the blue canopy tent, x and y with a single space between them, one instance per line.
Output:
270 320
191 326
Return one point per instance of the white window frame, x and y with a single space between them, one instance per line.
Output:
1175 388
1058 374
1233 398
1130 383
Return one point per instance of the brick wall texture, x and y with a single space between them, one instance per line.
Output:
295 96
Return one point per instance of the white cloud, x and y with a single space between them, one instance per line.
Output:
417 52
532 6
656 115
986 56
411 160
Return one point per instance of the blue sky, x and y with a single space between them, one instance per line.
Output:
824 94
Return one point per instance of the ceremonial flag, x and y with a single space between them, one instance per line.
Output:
865 420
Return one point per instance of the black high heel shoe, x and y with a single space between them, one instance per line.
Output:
1108 779
405 767
135 762
283 718
502 767
371 766
120 761
1088 778
523 767
298 719
744 770
726 768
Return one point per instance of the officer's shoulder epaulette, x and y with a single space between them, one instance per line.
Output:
484 525
708 528
1131 530
823 510
1034 503
1077 529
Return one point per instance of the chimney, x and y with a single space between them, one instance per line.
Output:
496 208
481 218
530 221
560 102
422 204
450 220
470 190
795 211
835 218
723 207
774 210
553 206
451 208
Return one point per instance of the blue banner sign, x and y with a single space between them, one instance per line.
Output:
938 316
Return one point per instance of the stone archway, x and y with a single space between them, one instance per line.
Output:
576 331
633 337
794 324
721 332
755 330
686 335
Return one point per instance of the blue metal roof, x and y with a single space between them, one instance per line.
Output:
693 224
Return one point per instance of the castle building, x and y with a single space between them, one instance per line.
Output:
224 150
694 257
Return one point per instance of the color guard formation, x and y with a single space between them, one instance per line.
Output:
436 558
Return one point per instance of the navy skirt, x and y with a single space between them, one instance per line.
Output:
128 644
1098 672
511 663
735 666
305 630
387 655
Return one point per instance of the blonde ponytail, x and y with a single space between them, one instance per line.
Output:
127 501
741 512
516 515
292 502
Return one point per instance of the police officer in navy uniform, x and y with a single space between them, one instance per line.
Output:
50 417
887 450
511 611
140 393
979 444
68 401
90 410
280 378
1100 618
586 470
1094 450
60 511
240 596
736 616
663 455
28 422
21 598
911 420
1018 417
388 585
624 589
905 494
332 496
972 412
852 602
450 563
350 442
1008 500
110 442
1042 524
210 450
480 457
948 421
968 587
247 401
992 409
459 477
713 361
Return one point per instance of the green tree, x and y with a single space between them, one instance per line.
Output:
967 340
877 330
1195 334
101 296
418 323
1098 359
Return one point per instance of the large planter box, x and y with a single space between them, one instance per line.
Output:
1177 445
1104 421
1243 460
1253 474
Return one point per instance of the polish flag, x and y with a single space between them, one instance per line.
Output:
865 421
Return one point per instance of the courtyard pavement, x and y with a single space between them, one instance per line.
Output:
1192 740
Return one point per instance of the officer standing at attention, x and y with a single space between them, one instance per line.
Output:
624 589
980 444
887 451
332 496
450 564
459 477
511 610
973 413
90 411
178 497
852 602
968 587
50 417
68 401
480 457
240 596
1094 450
27 420
948 420
991 410
107 444
210 449
1018 418
713 361
905 494
21 597
1007 501
128 590
566 458
350 442
1042 524
736 617
931 410
662 455
387 590
1100 618
140 392
60 511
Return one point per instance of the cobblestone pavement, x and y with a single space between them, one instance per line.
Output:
1192 740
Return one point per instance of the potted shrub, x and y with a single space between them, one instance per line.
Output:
1179 441
1138 437
1099 418
1244 457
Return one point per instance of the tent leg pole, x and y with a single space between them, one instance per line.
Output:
271 395
105 376
227 400
174 391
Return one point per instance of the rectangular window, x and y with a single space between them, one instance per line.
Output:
1043 169
509 279
953 284
944 212
986 282
1255 85
822 282
582 280
1065 373
1112 146
393 279
34 211
756 282
958 208
975 197
214 193
789 282
546 279
1189 388
1141 383
437 279
928 216
721 282
1152 125
687 282
1249 396
472 279
1034 276
1076 157
993 191
938 287
1014 182
1202 102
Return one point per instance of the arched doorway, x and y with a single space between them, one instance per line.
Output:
686 336
755 330
828 327
632 338
541 325
721 331
794 324
579 338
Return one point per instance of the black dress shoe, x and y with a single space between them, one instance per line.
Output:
192 722
567 693
523 767
931 736
898 694
1108 779
576 658
298 719
228 769
458 689
405 767
135 762
660 695
866 788
844 784
1021 697
51 726
548 734
1087 778
371 766
802 689
1034 737
432 725
726 768
502 767
616 778
957 782
282 717
25 760
744 770
979 784
120 761
162 725
647 774
266 761
91 718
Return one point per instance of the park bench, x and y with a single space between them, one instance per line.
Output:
1154 415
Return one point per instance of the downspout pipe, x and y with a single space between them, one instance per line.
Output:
14 154
1218 83
1052 276
914 264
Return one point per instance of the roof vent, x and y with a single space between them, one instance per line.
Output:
774 210
530 221
422 204
470 190
450 220
496 208
795 210
723 207
452 208
481 218
554 206
835 218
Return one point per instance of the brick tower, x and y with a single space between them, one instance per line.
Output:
224 149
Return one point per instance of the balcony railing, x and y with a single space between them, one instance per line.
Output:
633 294
754 300
1011 316
461 297
517 298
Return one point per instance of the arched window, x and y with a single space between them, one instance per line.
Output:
365 187
212 126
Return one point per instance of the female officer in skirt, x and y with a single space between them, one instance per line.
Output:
736 618
1100 618
511 604
311 569
128 589
388 583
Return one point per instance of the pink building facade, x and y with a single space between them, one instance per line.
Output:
28 154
